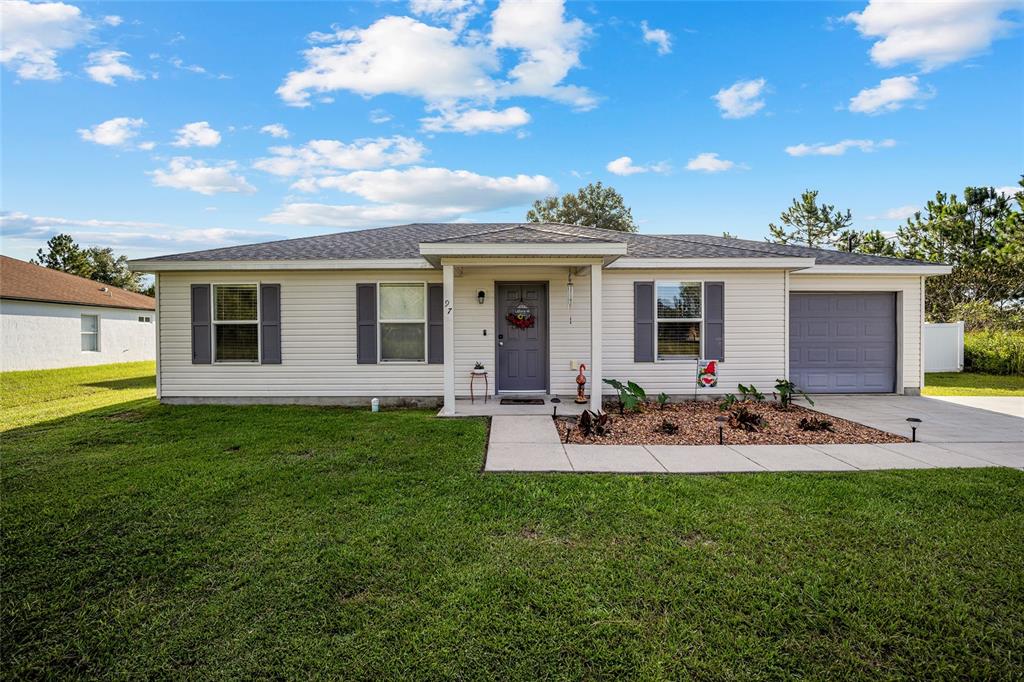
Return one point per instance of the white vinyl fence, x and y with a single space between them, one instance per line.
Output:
944 347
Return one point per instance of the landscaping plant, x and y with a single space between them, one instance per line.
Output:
815 424
668 428
662 400
728 400
742 417
751 393
786 390
994 352
630 394
594 424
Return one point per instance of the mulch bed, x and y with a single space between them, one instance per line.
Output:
697 426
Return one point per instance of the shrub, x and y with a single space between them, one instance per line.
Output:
994 352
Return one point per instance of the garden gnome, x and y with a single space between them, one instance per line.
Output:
581 382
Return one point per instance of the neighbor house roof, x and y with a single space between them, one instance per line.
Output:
28 282
403 242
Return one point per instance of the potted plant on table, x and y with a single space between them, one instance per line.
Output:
478 368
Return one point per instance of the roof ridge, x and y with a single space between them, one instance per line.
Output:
505 227
683 238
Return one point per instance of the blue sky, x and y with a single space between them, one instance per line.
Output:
160 127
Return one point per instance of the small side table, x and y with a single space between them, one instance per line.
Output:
487 387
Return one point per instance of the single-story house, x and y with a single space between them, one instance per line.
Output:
403 313
51 319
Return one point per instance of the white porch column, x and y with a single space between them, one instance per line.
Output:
596 334
448 286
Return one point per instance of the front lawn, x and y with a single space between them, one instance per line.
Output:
144 541
970 383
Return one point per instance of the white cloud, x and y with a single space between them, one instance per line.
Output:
413 194
323 156
107 65
184 172
275 130
550 47
140 237
624 166
838 148
380 116
741 99
657 36
456 13
112 20
1010 191
472 121
115 132
197 134
147 146
931 34
889 95
898 213
33 34
708 162
178 63
401 55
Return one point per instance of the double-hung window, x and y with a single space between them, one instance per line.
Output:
236 323
403 321
91 333
679 310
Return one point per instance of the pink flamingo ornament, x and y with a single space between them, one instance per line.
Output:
581 382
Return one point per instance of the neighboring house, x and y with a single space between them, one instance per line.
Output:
403 313
52 319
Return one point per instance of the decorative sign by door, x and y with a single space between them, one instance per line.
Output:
707 373
521 317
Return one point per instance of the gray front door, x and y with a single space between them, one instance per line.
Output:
522 349
843 343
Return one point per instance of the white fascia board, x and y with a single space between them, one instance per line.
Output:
713 263
484 249
143 265
908 270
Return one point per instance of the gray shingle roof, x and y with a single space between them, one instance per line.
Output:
402 241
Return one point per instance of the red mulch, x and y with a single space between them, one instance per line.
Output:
697 426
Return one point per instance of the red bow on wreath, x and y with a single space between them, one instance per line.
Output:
521 321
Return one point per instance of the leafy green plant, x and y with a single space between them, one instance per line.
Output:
994 352
728 400
662 400
742 417
751 393
630 394
594 424
786 391
815 424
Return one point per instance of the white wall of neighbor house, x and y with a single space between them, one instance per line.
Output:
755 332
35 335
909 314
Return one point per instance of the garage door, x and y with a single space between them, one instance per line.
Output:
843 343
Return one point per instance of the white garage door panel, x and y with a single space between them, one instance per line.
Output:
843 342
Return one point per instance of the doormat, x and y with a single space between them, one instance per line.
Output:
522 401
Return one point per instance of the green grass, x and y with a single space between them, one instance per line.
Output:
31 397
969 383
142 540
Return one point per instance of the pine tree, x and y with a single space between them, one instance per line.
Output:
806 223
592 206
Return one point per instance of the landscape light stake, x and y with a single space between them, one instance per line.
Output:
554 409
721 419
914 421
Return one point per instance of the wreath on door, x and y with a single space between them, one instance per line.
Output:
521 317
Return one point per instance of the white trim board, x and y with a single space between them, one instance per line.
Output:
143 265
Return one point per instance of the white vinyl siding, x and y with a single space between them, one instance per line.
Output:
754 331
908 322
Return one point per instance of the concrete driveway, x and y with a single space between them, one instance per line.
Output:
942 421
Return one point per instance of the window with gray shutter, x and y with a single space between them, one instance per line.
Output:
270 324
201 343
366 324
643 321
714 320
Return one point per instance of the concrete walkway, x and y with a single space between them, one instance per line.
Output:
1010 405
531 443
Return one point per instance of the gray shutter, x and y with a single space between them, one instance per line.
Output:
435 324
714 320
270 324
366 324
202 351
643 321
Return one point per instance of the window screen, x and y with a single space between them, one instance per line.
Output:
403 318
